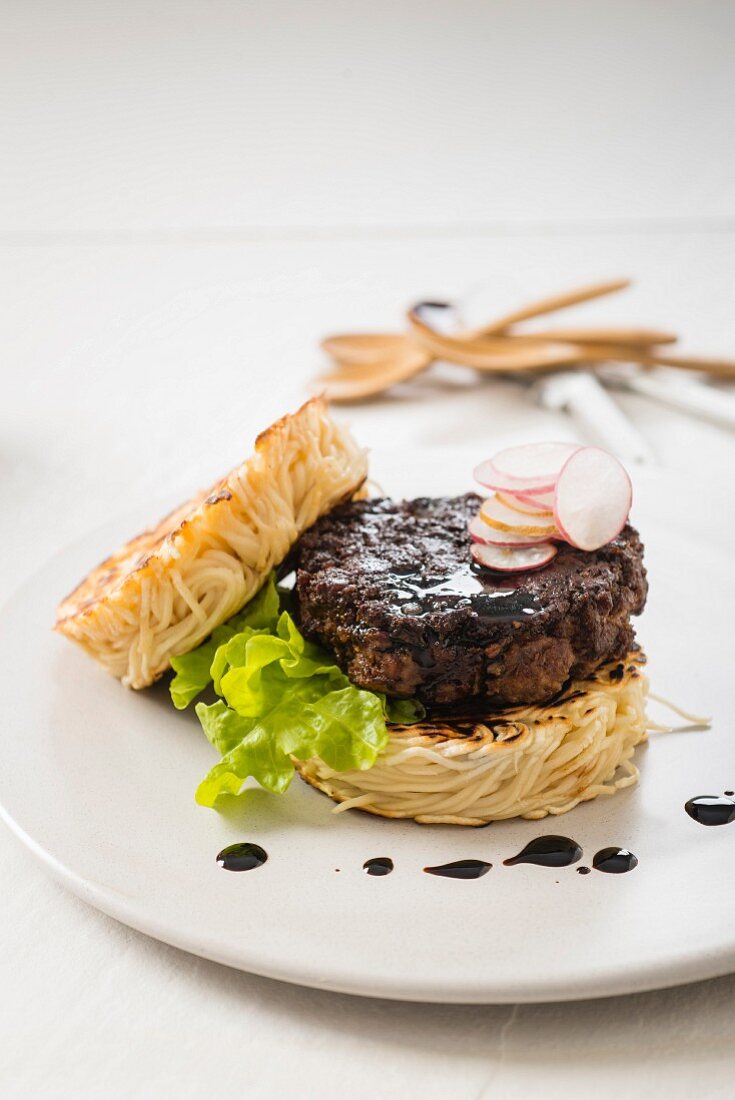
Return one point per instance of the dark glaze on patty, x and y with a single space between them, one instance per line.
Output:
389 587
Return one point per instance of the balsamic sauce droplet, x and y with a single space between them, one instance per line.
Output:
378 866
583 870
462 868
710 809
729 793
614 861
242 857
548 851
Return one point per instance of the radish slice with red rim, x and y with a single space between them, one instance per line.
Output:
520 504
593 497
492 478
537 461
538 500
531 468
490 536
498 515
508 559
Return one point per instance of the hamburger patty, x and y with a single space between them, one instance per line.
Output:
389 587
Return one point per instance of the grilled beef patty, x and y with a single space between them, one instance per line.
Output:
389 587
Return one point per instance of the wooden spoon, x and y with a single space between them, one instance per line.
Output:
369 379
372 347
721 368
550 305
369 363
364 347
497 355
638 337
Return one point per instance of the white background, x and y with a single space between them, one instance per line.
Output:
192 194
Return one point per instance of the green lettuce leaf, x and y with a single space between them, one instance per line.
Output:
194 670
280 697
403 712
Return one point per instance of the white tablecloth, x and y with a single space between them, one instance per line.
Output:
159 308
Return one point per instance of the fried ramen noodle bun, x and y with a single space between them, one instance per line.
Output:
525 762
165 590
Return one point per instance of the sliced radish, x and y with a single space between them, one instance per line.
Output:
480 532
537 500
537 461
520 504
506 559
593 496
531 468
498 515
491 478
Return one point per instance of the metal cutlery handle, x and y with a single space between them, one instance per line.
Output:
586 400
696 398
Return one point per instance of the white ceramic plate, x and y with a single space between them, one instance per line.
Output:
98 782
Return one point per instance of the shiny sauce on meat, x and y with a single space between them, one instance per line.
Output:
490 595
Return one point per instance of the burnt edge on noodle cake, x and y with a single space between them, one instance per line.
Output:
528 761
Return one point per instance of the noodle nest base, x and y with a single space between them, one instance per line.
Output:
528 761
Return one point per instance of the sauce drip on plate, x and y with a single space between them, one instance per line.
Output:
614 861
242 857
378 866
548 851
711 809
461 868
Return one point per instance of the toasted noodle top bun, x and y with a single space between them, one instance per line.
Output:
522 762
165 590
